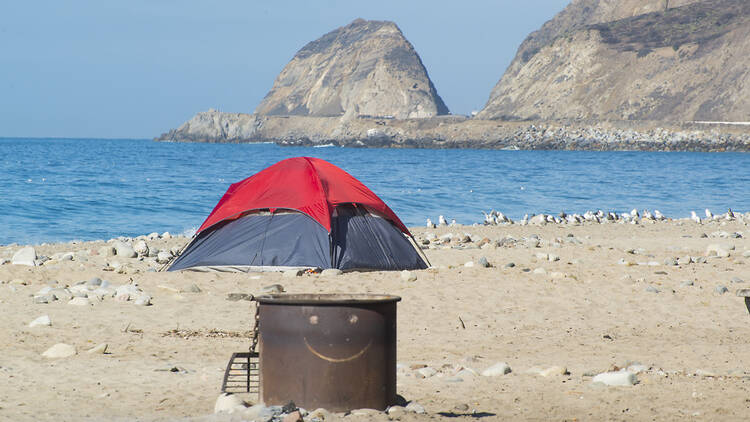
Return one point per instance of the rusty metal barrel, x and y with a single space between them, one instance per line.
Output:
334 351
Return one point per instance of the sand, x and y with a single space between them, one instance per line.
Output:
587 312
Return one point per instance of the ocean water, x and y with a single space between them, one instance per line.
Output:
85 189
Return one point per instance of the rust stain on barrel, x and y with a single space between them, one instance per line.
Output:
332 351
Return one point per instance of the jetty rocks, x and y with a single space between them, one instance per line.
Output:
366 68
668 60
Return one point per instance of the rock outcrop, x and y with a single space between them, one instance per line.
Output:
632 60
366 68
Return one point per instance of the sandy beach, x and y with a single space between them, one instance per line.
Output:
579 300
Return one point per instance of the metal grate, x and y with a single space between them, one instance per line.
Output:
242 374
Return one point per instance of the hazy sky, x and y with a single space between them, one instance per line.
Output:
118 69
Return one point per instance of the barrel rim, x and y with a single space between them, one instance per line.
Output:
326 299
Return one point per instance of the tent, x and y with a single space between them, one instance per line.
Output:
300 213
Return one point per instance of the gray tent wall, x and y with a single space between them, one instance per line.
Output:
359 240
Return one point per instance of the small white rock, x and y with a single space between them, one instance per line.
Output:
99 349
500 368
163 257
24 256
407 275
414 407
620 378
41 321
228 403
80 301
60 350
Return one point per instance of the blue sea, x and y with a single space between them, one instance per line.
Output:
85 189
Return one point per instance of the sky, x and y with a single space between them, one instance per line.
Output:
137 68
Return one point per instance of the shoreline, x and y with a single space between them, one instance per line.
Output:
448 132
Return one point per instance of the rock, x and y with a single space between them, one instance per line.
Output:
426 372
407 275
532 243
60 350
163 257
272 289
42 321
651 289
24 256
234 297
553 258
143 300
483 262
293 273
704 373
336 74
618 379
721 251
746 254
737 280
553 371
166 235
687 283
414 407
61 294
295 416
637 368
670 262
80 301
152 236
395 412
500 368
96 281
540 271
321 414
194 288
99 349
466 373
720 290
331 272
141 248
228 403
509 265
469 264
124 250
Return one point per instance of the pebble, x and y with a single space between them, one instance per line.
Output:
80 301
540 271
228 403
272 289
163 257
553 258
426 372
652 289
619 378
396 412
687 283
509 265
141 248
414 407
637 368
721 251
483 262
99 349
24 256
331 272
124 250
60 350
720 290
96 281
407 275
670 262
143 300
194 288
737 280
234 297
746 254
293 273
41 321
553 371
500 368
323 414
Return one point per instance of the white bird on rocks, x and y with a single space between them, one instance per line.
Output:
453 222
600 214
441 221
730 214
634 213
709 214
647 215
588 216
694 217
525 220
658 215
501 218
430 224
489 219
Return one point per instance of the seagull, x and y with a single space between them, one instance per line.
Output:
525 220
709 215
430 224
501 218
658 215
453 222
694 217
488 218
730 214
441 221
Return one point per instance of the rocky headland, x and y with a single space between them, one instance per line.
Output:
652 75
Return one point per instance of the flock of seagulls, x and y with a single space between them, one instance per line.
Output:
494 218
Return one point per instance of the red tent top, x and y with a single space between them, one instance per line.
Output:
308 185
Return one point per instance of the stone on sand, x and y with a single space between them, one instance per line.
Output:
163 257
79 301
24 256
228 403
41 321
124 250
60 350
331 272
141 248
414 407
500 368
407 275
99 349
617 379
